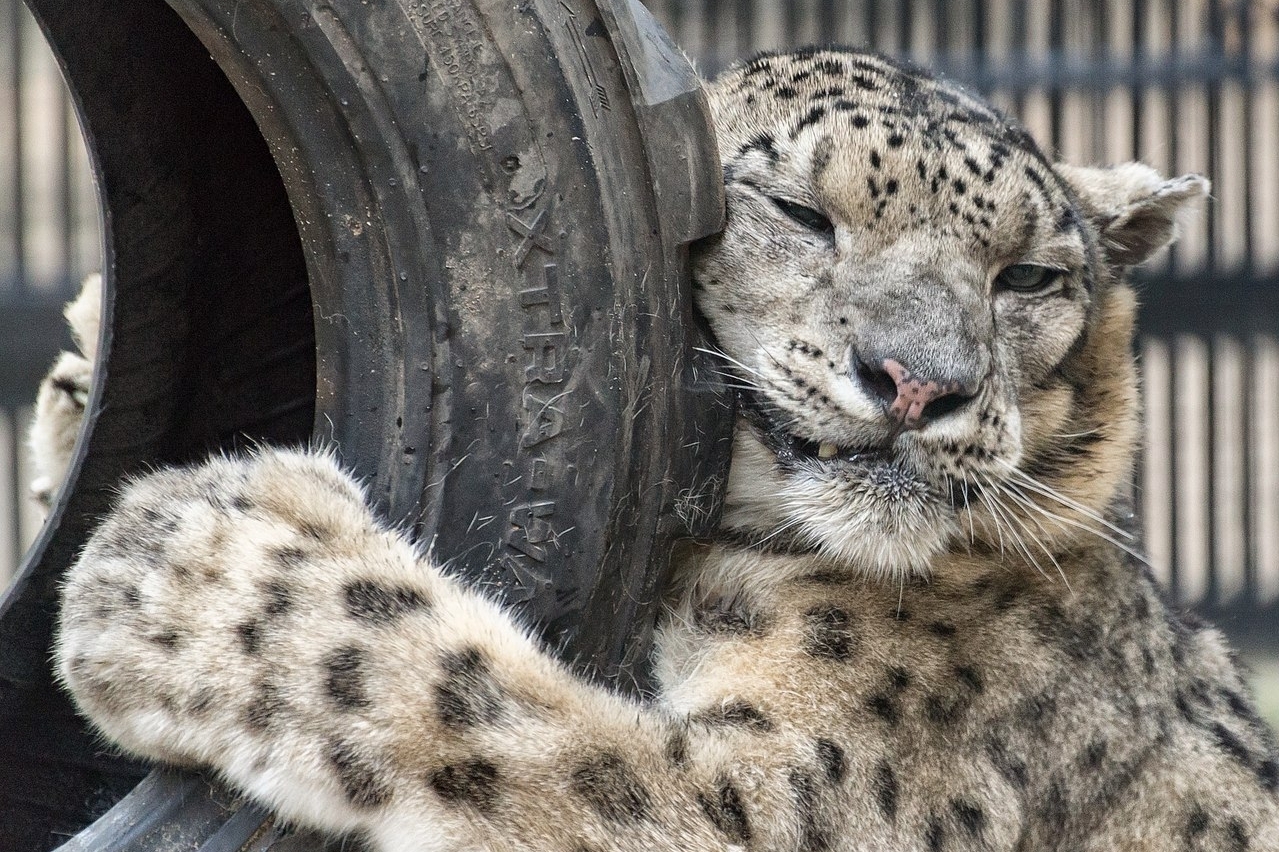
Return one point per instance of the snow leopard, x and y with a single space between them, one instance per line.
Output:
924 624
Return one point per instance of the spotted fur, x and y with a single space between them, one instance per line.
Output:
920 628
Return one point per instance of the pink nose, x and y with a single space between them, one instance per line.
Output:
915 395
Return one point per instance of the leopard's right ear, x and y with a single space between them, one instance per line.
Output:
1133 207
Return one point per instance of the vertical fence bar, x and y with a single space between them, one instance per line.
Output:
18 205
1138 54
1193 478
1226 452
1056 49
1156 468
1243 30
1265 437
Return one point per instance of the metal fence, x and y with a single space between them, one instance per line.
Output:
1185 85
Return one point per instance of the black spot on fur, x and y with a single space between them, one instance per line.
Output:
764 143
827 578
472 782
946 705
1095 753
885 786
971 678
935 834
612 788
374 603
345 678
726 812
898 678
875 162
1006 598
942 629
1268 774
169 638
737 713
1053 807
829 633
360 776
677 749
1238 835
728 616
1197 822
832 759
813 837
970 816
250 633
202 701
813 116
160 522
786 92
883 706
315 531
279 597
1010 767
264 706
1036 177
1231 744
1237 703
1036 708
468 695
1068 220
289 557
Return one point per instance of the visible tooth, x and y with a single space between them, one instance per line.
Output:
827 451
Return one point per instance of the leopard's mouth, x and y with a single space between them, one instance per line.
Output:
797 454
794 451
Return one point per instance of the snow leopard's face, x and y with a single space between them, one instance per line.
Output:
926 316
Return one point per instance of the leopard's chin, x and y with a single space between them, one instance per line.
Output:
867 508
872 511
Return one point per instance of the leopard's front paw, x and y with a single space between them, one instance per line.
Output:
193 590
251 615
60 405
64 395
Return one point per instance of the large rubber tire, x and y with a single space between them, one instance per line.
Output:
446 238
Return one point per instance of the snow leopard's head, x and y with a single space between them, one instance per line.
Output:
926 316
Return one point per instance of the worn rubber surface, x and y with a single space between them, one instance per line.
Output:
448 239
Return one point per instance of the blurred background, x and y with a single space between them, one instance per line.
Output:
1184 85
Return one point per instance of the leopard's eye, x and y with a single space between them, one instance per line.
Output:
806 216
1028 278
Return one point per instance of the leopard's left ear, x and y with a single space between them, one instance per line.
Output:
1133 207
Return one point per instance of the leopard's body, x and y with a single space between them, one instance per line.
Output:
920 628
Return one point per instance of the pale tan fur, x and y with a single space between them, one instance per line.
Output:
906 637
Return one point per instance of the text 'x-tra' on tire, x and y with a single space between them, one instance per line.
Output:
447 239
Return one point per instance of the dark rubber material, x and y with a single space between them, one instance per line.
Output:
447 238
